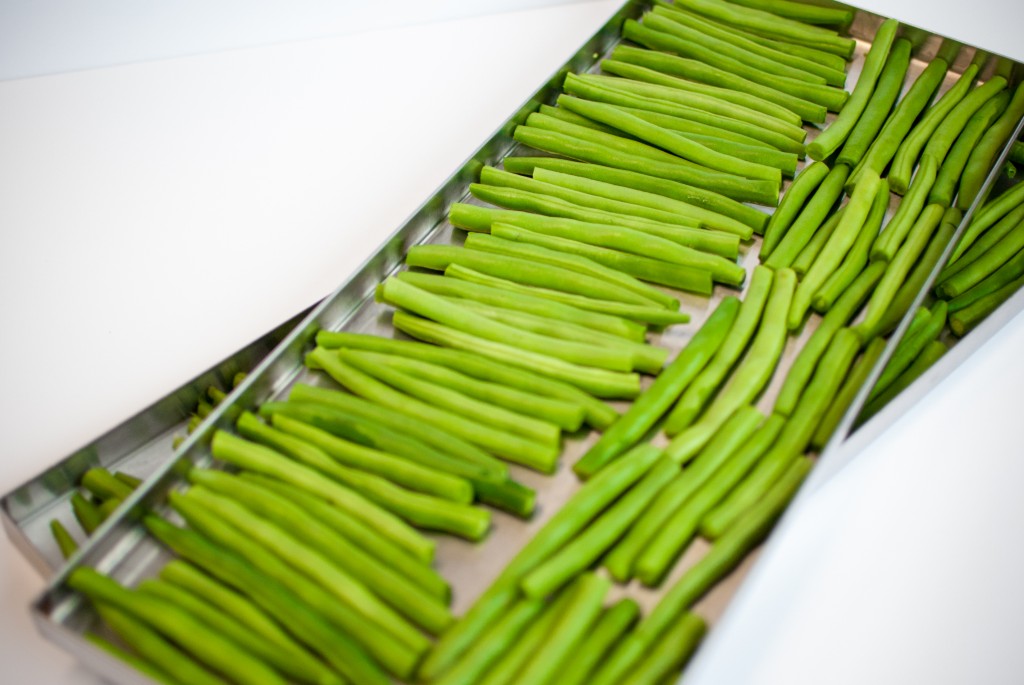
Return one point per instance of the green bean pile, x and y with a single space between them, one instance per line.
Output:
304 551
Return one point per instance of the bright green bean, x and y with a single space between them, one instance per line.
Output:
65 542
600 535
711 201
806 13
839 243
910 347
103 485
965 319
511 664
254 457
984 154
946 134
887 90
907 213
568 631
932 352
657 316
906 157
810 219
697 394
343 652
598 414
902 119
793 200
844 398
839 315
613 624
671 652
990 239
665 539
1009 271
206 645
991 212
653 403
857 258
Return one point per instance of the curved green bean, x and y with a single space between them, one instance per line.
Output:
810 219
984 154
910 208
793 200
953 166
964 320
991 212
613 624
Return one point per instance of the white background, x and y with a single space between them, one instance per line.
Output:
235 166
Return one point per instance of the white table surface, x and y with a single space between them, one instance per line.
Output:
156 216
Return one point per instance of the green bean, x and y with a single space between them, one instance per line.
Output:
128 479
537 430
498 640
384 550
990 239
836 248
587 151
887 90
516 302
413 603
135 661
750 377
600 535
807 13
158 656
932 352
263 537
847 392
693 517
810 219
907 213
65 543
493 243
797 433
965 319
255 457
665 273
595 495
830 140
704 385
729 175
402 472
207 645
499 442
906 157
714 242
648 315
988 100
709 200
584 84
653 403
86 513
803 262
707 218
831 68
910 347
424 511
613 624
952 166
438 257
658 536
1009 271
839 315
507 669
712 85
103 485
343 652
661 31
857 258
653 70
767 24
567 415
991 212
723 557
983 266
598 414
671 652
359 420
907 293
221 599
568 631
234 631
985 153
793 200
673 114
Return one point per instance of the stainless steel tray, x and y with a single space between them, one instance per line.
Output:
120 546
